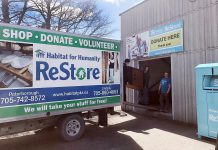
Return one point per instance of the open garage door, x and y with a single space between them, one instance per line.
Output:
157 68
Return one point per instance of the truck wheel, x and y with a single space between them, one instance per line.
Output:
71 127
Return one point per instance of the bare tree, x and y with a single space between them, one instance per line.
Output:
47 9
14 11
23 11
80 17
5 11
89 20
84 18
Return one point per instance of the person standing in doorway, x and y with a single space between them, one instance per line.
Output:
164 91
126 74
146 74
143 94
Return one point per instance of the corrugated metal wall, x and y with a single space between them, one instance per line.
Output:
200 43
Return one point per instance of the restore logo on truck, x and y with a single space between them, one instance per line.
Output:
65 71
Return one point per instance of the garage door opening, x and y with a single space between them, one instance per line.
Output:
157 68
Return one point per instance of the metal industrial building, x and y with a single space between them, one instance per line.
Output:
200 37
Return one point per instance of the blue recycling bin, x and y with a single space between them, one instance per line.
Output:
207 100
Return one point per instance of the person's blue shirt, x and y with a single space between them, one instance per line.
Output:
164 83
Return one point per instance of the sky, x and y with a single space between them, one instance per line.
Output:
114 8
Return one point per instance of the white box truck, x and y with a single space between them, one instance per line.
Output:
50 78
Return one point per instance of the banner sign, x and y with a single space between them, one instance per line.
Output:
166 39
137 45
33 36
44 71
162 40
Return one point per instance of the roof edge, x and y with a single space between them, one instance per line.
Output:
133 7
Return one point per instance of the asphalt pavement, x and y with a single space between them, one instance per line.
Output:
131 132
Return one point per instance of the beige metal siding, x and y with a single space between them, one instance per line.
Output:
183 85
194 31
178 87
200 43
212 56
211 24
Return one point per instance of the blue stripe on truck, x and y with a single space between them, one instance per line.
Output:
12 97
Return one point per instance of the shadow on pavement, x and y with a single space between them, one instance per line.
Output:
147 123
96 138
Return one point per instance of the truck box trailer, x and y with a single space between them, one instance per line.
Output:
49 78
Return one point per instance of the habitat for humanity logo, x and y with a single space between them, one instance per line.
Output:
81 73
40 53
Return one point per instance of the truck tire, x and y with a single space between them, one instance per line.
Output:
71 127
